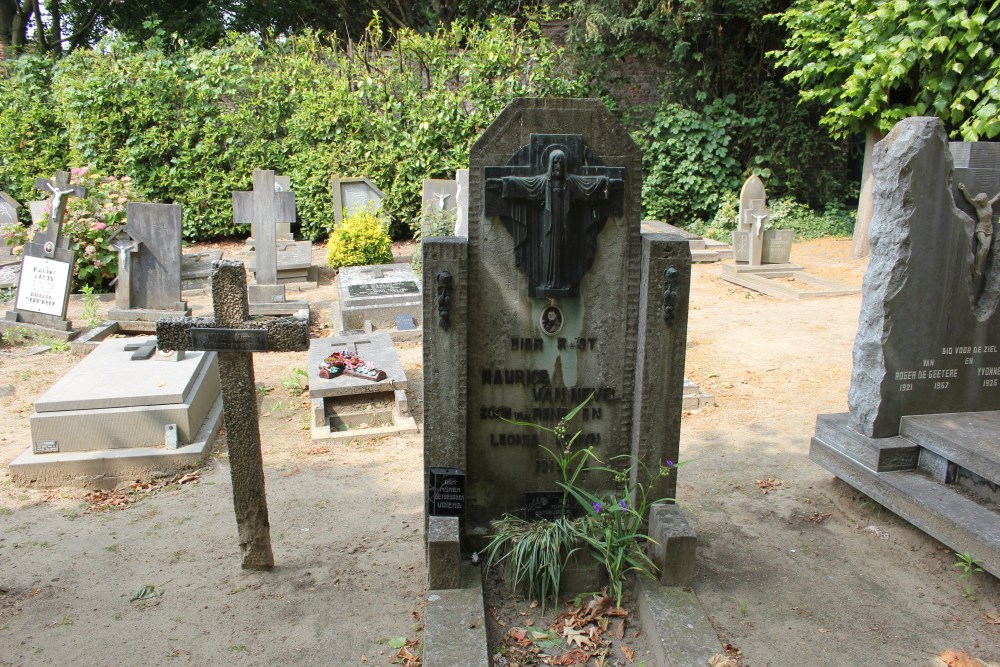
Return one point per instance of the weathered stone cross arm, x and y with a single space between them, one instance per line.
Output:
283 334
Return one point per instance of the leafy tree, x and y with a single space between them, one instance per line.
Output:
872 63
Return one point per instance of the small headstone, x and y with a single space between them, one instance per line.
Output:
47 268
925 389
351 195
149 264
8 218
440 195
39 210
378 294
196 269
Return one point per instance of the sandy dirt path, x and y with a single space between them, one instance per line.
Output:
809 573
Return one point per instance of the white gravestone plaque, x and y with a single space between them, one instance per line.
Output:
43 286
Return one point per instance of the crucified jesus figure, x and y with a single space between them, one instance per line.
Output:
984 227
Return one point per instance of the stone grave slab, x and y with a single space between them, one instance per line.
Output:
703 251
159 414
353 194
149 264
377 294
294 263
925 387
347 407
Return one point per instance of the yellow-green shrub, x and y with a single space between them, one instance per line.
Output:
362 238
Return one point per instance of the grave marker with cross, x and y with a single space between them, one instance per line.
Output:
47 268
264 208
236 337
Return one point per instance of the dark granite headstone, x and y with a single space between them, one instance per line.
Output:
929 338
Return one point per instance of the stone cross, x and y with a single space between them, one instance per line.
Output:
236 337
61 190
263 209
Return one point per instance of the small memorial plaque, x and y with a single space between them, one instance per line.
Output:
544 505
446 495
43 286
229 340
405 322
46 446
383 289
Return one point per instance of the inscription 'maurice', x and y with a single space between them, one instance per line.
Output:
554 196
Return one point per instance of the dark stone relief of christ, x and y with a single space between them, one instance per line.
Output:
554 196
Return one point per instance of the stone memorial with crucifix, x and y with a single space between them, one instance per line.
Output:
47 268
235 337
556 295
265 207
148 286
920 436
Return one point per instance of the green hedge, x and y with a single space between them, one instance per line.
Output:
190 125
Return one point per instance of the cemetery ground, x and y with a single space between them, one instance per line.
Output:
794 566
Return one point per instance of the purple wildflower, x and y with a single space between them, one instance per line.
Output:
597 507
623 504
670 464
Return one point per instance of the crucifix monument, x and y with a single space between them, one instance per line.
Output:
47 267
236 337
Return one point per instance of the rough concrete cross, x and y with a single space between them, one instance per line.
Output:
61 189
236 337
263 209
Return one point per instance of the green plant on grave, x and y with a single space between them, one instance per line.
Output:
610 529
7 294
969 565
91 307
362 238
17 337
297 382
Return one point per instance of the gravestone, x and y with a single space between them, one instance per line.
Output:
761 256
351 195
236 337
196 270
265 207
377 295
346 407
159 414
462 203
148 286
47 268
920 437
555 296
294 258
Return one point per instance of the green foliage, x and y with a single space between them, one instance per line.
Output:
786 213
610 529
297 382
969 565
91 307
874 62
361 239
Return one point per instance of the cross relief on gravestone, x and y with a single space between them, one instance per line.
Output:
236 337
554 196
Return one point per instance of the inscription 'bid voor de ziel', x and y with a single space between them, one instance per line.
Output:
943 377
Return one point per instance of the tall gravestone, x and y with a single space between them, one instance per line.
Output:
149 264
47 267
9 269
282 230
920 436
353 194
753 243
554 296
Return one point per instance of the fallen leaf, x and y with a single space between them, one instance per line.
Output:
768 485
719 660
823 631
992 619
578 637
146 592
629 653
960 659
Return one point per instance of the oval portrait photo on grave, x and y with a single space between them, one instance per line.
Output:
551 320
